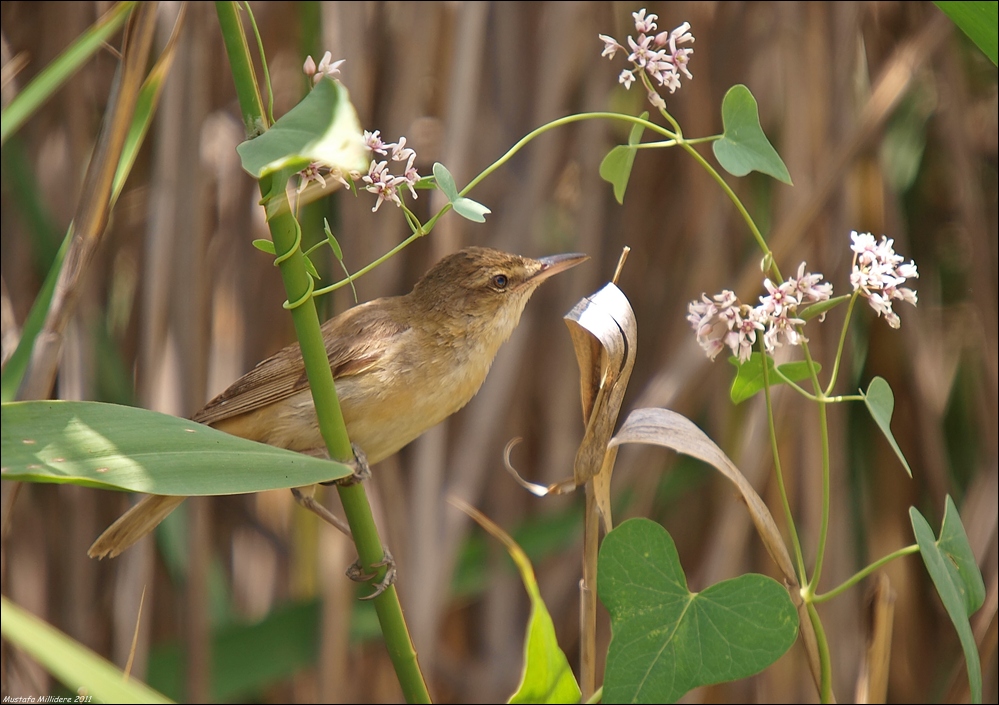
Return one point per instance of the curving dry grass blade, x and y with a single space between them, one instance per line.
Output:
669 429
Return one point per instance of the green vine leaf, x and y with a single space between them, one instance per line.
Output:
445 182
465 207
471 210
807 313
666 639
616 166
265 246
749 375
322 128
881 403
744 147
955 574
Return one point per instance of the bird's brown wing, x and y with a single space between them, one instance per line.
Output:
355 341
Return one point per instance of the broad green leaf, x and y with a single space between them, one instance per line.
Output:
472 210
979 20
749 375
61 69
445 182
616 166
744 147
667 640
123 448
881 403
958 581
74 665
322 128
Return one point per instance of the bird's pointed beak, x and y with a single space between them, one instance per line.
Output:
557 263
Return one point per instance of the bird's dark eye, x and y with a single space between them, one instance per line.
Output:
500 281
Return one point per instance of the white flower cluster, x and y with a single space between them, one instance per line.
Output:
878 274
656 54
723 321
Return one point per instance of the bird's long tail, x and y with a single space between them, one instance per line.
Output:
133 525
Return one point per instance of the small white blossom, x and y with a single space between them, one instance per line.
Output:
611 46
626 78
381 183
309 174
644 24
327 67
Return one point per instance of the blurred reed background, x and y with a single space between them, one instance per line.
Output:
887 119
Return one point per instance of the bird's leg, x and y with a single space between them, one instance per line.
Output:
356 572
309 502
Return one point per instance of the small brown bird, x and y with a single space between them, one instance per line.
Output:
402 364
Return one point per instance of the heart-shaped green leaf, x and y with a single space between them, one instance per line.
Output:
749 375
119 447
668 640
323 128
744 147
955 574
616 166
881 403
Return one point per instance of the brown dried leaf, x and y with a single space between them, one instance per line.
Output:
604 334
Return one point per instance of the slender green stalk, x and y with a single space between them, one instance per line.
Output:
757 235
824 521
825 687
286 235
842 342
861 574
782 488
421 230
